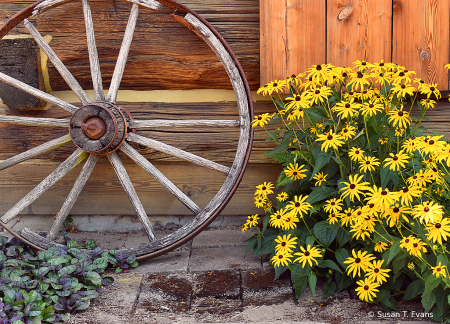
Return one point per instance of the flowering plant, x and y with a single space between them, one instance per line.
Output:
364 197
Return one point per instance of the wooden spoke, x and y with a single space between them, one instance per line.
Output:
38 93
93 53
73 195
123 55
64 168
155 173
143 124
155 5
177 152
65 73
132 195
43 148
31 121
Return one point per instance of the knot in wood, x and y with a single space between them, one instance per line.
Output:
424 54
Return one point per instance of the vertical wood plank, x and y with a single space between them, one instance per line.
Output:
305 28
421 38
272 40
358 30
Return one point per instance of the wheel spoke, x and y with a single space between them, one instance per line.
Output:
64 168
123 55
155 5
155 173
177 152
73 195
93 54
65 73
131 193
143 124
38 93
31 121
43 148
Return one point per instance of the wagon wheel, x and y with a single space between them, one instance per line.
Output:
100 126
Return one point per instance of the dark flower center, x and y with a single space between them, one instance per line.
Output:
307 253
384 192
319 67
415 177
278 216
297 98
426 209
432 88
363 63
297 204
438 225
367 162
351 93
259 118
401 74
400 113
360 75
310 79
357 260
344 75
358 213
431 142
376 270
349 214
347 105
396 210
275 84
356 152
294 173
415 245
352 186
333 203
371 106
405 190
283 243
317 91
371 205
329 137
345 130
438 269
264 188
421 81
395 158
280 256
251 219
366 287
293 76
381 75
403 86
407 241
381 64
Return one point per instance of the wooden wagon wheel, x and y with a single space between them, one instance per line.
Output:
100 126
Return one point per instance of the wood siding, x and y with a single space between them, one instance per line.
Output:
412 33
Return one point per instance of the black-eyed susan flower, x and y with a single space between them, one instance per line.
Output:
399 118
319 95
260 201
348 216
332 218
356 154
420 179
359 80
320 72
439 270
395 213
282 196
252 220
362 65
367 289
368 163
383 140
354 187
359 261
432 145
380 246
428 103
277 218
261 120
264 189
298 206
360 232
438 230
317 128
286 243
290 221
410 145
273 86
348 132
320 177
381 198
309 255
281 259
407 242
429 89
330 140
295 172
347 109
376 273
244 227
411 266
417 248
268 205
371 109
401 90
396 161
333 205
428 212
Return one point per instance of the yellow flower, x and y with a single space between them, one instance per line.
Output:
377 274
396 161
277 219
285 243
438 230
393 215
432 145
298 205
411 266
321 94
356 154
359 80
332 218
429 89
428 103
371 108
381 198
383 140
282 196
244 227
367 289
407 242
381 246
320 72
439 270
417 248
290 221
330 140
320 178
347 109
264 189
399 118
368 163
354 187
307 255
333 205
360 261
281 259
252 220
273 86
428 212
294 172
402 90
260 201
261 120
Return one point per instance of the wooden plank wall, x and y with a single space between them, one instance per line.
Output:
412 33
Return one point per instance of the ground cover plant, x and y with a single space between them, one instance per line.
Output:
363 199
47 286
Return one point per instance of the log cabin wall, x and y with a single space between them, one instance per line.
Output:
172 74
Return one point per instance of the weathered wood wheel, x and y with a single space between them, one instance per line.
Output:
101 127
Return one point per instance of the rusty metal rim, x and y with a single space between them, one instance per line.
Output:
116 127
27 12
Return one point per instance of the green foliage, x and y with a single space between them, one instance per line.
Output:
46 287
363 196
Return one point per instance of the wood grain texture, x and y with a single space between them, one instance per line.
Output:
183 60
421 38
30 121
358 30
143 124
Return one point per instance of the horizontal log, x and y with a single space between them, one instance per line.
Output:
104 195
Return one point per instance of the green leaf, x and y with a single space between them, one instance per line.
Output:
387 175
266 220
324 233
344 281
342 236
393 251
430 284
341 256
312 279
57 261
320 193
283 180
250 245
31 297
332 265
310 240
90 244
328 289
134 264
321 160
9 296
428 300
300 282
81 304
414 289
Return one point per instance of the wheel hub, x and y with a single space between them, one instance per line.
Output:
99 127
